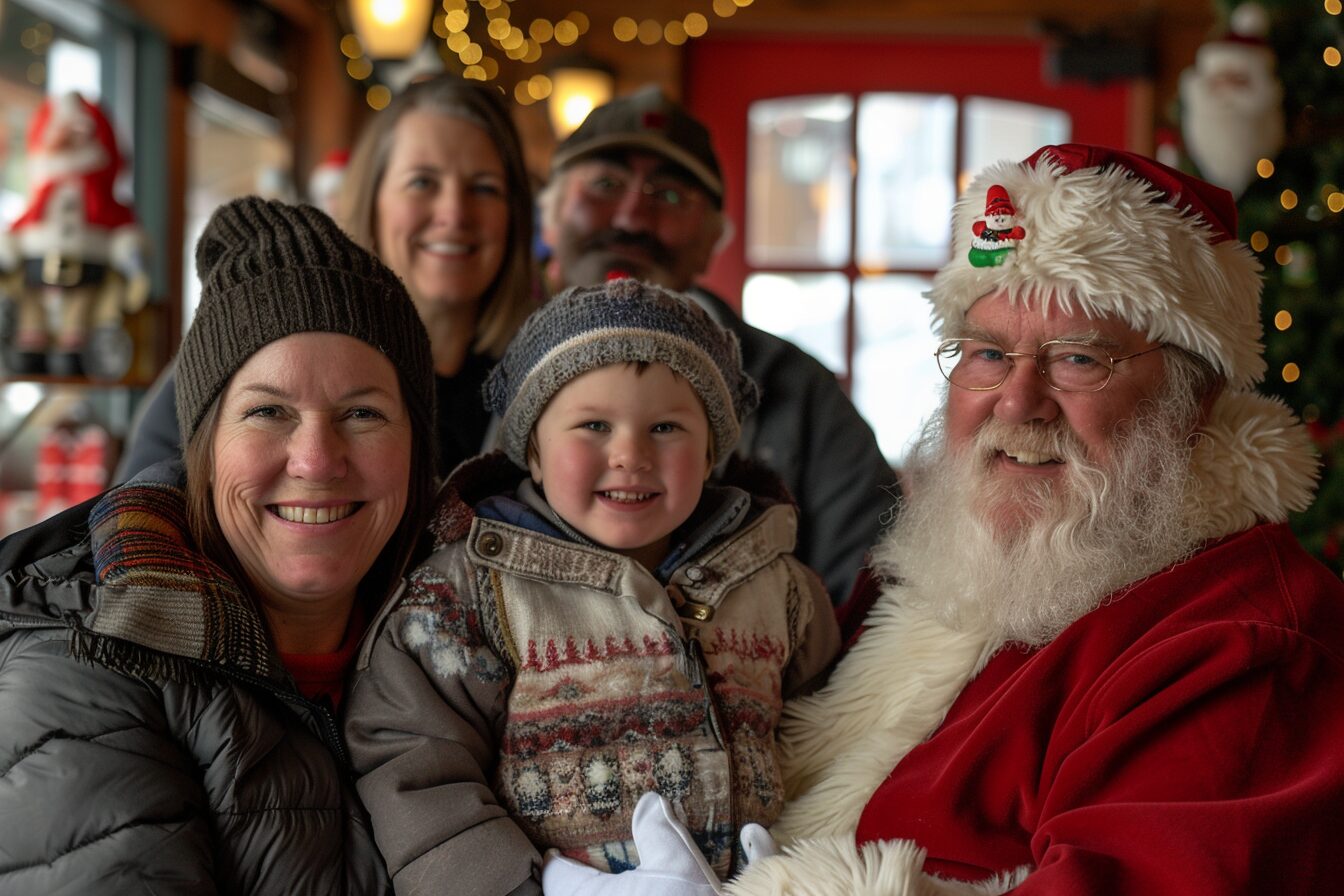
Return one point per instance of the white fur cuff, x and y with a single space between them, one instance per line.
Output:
835 866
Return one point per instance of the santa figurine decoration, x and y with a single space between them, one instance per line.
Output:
324 185
75 255
1232 102
996 234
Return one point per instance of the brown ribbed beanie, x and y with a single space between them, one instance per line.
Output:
269 270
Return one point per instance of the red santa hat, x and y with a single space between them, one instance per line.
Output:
998 203
325 181
1112 233
67 116
1245 43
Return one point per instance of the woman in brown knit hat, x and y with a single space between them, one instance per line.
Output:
172 654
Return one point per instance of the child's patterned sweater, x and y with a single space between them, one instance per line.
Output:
531 683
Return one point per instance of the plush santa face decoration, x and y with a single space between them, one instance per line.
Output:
1232 103
324 186
77 251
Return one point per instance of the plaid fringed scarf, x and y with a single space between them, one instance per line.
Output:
164 610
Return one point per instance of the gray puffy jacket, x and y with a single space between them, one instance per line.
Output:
150 740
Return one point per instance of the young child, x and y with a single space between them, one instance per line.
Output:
595 620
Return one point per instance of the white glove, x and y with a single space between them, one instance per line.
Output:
757 843
669 862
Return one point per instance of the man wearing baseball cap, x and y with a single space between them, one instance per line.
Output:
637 191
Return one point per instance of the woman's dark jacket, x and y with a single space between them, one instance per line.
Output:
150 739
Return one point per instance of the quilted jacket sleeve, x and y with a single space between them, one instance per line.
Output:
818 638
95 796
422 723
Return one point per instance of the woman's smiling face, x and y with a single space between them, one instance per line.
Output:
311 457
442 210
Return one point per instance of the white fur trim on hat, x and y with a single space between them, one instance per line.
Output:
1105 242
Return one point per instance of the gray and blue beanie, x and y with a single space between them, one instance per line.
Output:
620 321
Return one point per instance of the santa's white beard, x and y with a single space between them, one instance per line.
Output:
1229 127
1020 561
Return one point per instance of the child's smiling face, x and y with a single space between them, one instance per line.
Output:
622 455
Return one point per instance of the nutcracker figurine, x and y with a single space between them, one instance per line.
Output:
75 257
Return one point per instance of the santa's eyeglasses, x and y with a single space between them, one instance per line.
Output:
981 366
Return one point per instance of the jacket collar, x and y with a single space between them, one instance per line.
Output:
160 606
492 487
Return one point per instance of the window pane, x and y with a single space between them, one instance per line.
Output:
906 179
232 151
896 380
1000 129
73 66
799 181
806 309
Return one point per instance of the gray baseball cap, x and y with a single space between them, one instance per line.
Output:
647 120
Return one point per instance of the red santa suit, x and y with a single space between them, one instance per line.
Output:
1205 702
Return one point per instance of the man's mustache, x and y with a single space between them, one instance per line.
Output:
617 239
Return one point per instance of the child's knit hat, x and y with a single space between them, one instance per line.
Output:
622 320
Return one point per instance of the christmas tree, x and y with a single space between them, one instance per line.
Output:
1291 208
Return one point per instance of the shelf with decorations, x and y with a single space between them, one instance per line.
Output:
60 438
77 333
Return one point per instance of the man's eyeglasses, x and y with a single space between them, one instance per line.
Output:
667 194
981 366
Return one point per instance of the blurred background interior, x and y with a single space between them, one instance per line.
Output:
845 129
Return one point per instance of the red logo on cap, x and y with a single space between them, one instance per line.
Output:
653 121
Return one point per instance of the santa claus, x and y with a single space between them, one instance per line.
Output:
76 251
1232 103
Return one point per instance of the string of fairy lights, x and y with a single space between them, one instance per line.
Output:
1331 200
526 44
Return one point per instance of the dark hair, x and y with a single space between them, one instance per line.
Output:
509 298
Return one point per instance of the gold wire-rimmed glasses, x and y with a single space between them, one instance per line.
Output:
668 194
982 366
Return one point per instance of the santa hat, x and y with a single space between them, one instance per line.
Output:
326 178
1112 233
72 111
998 203
1109 232
1245 42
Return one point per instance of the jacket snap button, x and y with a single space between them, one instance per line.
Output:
490 544
694 573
